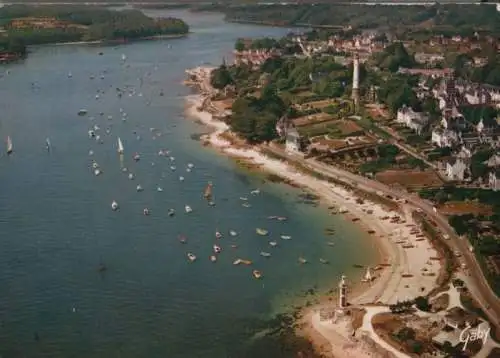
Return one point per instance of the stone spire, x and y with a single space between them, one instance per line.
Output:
355 80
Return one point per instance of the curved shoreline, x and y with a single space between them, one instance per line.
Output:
399 276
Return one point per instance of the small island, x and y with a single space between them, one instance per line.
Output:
23 25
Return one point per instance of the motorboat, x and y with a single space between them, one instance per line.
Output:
131 176
188 170
159 189
91 152
330 243
70 75
190 165
96 127
95 165
257 274
213 258
272 217
171 212
114 205
182 239
265 254
110 117
273 243
191 257
246 205
181 178
97 172
286 237
302 260
255 192
91 134
137 157
243 198
97 138
324 262
47 144
218 235
124 169
237 262
217 249
172 168
146 211
234 246
233 233
282 218
211 203
139 188
82 112
261 232
172 159
188 209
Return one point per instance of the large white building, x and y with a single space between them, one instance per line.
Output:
444 137
411 119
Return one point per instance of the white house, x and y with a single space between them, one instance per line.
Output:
494 161
456 169
292 137
494 181
444 138
411 119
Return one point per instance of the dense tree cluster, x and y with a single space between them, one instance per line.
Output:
86 23
393 57
454 17
397 91
255 118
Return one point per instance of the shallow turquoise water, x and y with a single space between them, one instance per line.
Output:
57 226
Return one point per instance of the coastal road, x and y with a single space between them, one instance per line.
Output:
481 291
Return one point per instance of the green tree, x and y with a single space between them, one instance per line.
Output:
221 77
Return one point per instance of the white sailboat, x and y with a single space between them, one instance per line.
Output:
120 146
9 145
368 276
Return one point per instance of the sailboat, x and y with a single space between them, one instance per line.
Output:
9 145
208 191
368 276
120 146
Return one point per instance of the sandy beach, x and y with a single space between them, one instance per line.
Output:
409 266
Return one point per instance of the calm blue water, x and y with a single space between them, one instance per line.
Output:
57 226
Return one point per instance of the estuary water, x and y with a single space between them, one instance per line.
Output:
57 227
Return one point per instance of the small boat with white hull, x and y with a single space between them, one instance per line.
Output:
171 212
131 176
265 254
191 257
188 209
273 243
324 262
217 249
139 188
261 232
213 258
302 260
146 211
137 157
257 274
114 205
218 235
233 233
120 146
286 237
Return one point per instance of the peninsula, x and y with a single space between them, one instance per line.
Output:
23 25
394 136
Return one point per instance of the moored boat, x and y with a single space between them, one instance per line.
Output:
159 189
207 194
213 258
146 211
191 257
120 146
9 145
286 237
137 157
302 260
323 261
114 205
246 205
233 233
261 232
131 176
255 192
273 243
237 262
218 235
181 178
257 274
265 254
217 249
171 212
188 209
139 188
182 239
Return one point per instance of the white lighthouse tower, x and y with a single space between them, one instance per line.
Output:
342 293
355 80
